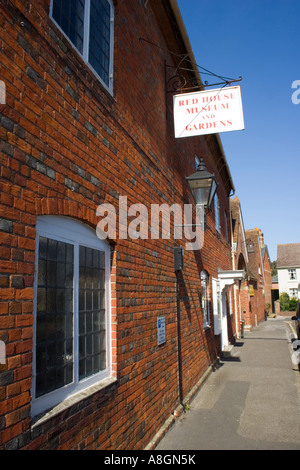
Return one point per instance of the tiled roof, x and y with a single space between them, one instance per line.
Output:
288 255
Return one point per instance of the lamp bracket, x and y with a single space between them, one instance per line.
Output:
180 81
184 75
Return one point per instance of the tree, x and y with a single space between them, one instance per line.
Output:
287 304
284 302
274 267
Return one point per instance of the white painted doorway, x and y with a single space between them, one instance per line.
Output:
224 325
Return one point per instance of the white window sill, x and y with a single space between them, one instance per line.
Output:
71 401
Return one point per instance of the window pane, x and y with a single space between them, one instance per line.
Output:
69 14
99 45
54 333
92 334
292 274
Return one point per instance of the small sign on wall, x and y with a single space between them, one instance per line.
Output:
161 330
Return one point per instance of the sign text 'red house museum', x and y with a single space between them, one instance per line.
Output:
208 112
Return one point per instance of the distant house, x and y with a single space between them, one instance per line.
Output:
240 261
275 291
250 253
259 267
288 265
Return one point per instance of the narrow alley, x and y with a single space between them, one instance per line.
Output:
251 402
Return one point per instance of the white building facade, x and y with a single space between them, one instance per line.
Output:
288 266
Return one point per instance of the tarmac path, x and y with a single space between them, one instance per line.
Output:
251 402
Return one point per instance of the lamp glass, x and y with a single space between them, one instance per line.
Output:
203 185
203 190
213 189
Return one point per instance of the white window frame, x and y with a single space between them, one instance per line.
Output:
86 36
292 274
204 277
293 293
259 270
74 232
217 213
217 307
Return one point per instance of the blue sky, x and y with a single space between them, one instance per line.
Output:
260 41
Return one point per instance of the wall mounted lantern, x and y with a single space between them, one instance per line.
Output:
203 185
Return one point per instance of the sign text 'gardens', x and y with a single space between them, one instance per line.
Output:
208 112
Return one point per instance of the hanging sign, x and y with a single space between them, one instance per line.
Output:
208 112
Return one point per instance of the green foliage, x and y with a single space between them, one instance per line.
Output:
293 304
274 268
284 302
287 304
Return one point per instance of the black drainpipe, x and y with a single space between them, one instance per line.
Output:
178 265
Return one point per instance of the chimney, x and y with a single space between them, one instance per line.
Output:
261 237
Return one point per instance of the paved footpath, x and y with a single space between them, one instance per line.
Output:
251 402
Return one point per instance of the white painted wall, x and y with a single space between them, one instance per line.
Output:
285 283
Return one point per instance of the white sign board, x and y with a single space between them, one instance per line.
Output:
2 352
161 330
208 112
2 93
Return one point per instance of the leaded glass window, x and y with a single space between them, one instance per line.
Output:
54 333
89 26
92 353
72 311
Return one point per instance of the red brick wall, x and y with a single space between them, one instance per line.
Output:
67 146
245 301
268 280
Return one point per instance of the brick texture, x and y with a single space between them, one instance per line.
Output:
67 145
